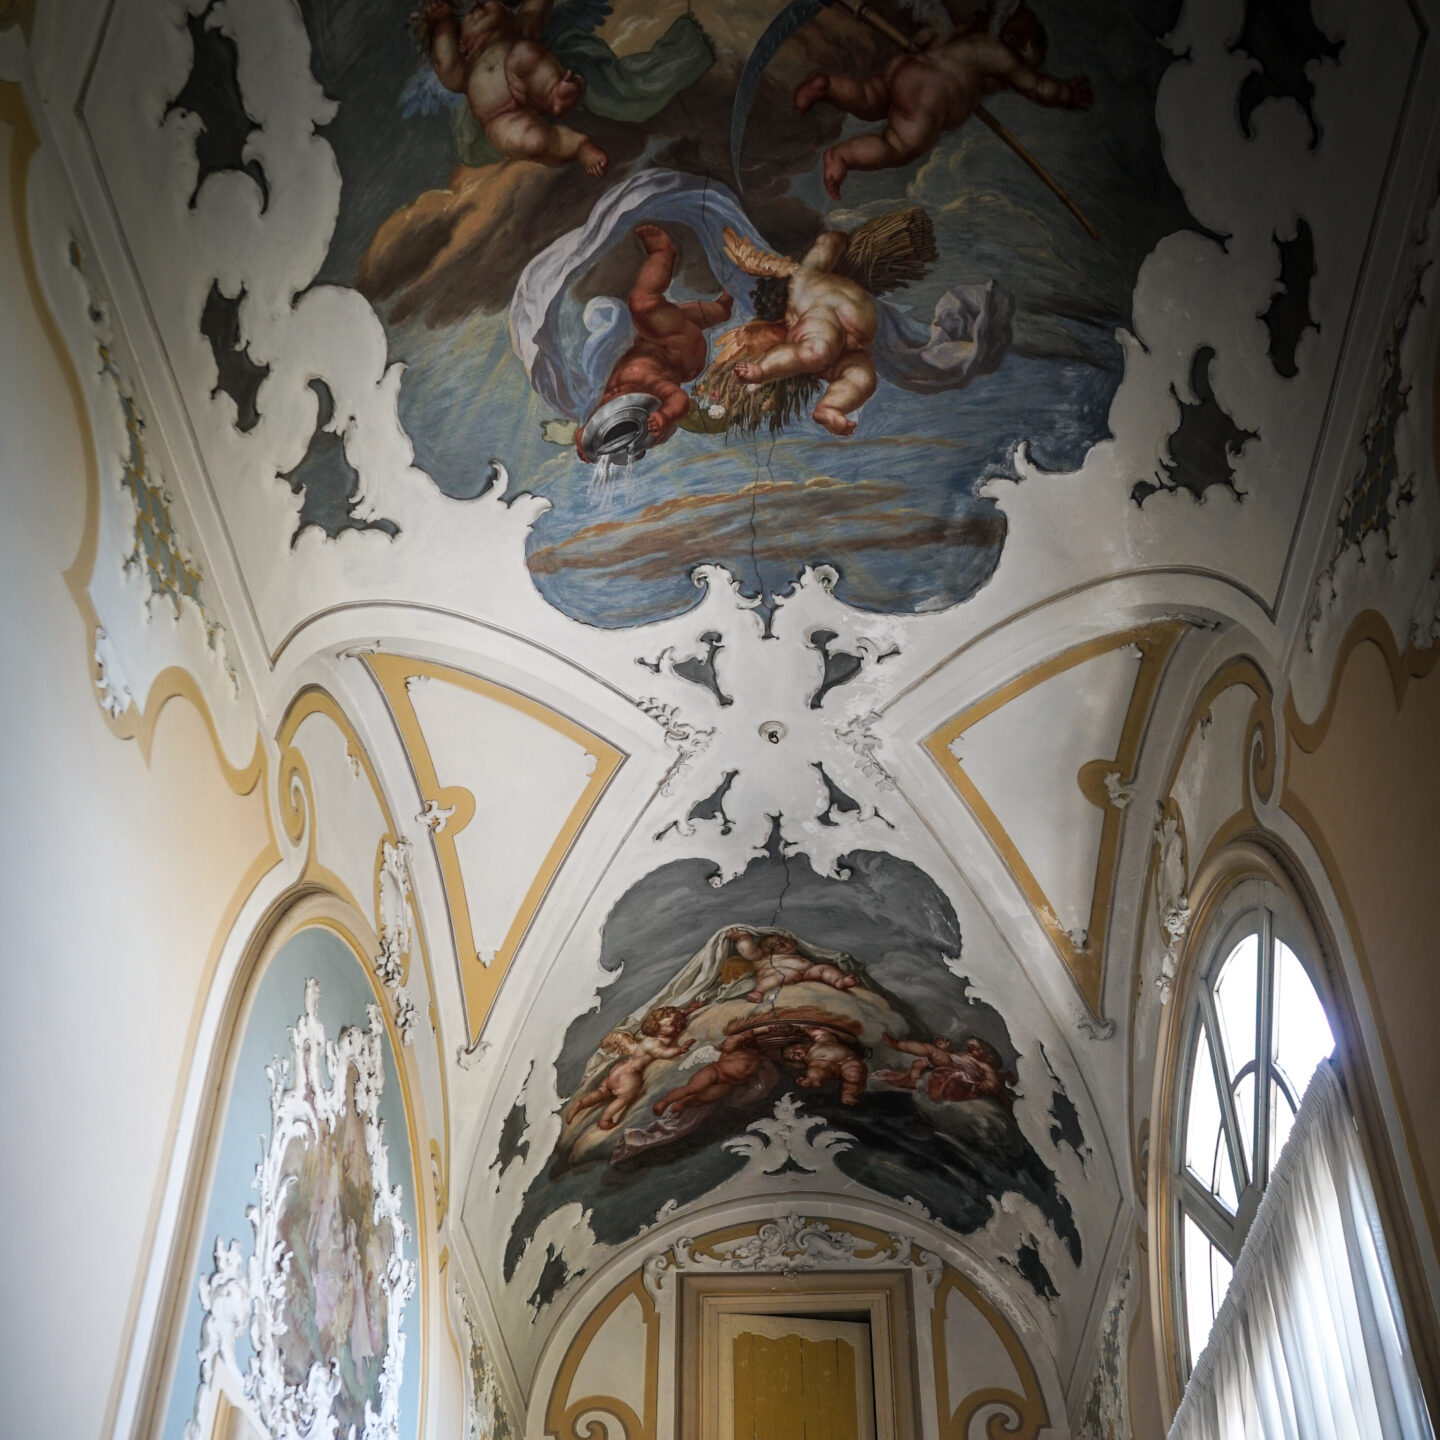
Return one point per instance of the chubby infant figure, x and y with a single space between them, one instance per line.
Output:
933 1054
670 346
737 1061
971 1073
778 963
825 1056
935 89
659 1039
516 88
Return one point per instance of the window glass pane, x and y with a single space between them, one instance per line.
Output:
1245 1117
1222 1177
1203 1120
1282 1121
1207 1278
1302 1033
1237 1002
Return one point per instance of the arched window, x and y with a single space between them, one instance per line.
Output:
1252 1031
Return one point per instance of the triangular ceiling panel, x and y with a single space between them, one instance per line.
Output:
1046 765
508 783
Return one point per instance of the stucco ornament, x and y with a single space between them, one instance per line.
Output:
327 1091
397 933
790 1245
788 1142
859 734
396 929
110 688
1425 621
1172 900
685 739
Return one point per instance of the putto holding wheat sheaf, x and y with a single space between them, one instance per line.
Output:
710 248
815 330
808 329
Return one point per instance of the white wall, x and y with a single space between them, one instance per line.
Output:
113 889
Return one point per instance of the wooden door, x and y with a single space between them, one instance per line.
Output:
784 1378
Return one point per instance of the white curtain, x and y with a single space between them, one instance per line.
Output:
1310 1342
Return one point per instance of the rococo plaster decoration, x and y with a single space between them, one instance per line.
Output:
954 1320
323 1097
1098 439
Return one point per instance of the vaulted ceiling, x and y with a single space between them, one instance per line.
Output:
847 746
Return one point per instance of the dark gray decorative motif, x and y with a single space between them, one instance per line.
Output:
700 669
513 1145
1065 1129
712 807
211 93
841 666
555 1275
1379 489
1204 446
328 481
1283 40
1288 316
236 373
1032 1270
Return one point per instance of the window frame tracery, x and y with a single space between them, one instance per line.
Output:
1253 906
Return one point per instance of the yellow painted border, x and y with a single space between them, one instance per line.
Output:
562 1414
137 723
1030 1413
1156 643
305 906
480 983
296 800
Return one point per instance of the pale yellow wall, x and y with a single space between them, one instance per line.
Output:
114 881
1370 798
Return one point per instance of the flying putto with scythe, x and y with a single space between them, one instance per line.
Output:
934 86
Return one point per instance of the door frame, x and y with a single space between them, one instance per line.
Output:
880 1297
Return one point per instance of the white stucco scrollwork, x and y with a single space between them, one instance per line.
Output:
1172 898
310 1094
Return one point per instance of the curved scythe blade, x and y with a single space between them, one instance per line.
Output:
779 30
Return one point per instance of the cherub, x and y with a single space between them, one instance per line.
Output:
826 1056
830 321
670 346
659 1039
933 1054
969 1074
777 962
738 1060
516 88
937 88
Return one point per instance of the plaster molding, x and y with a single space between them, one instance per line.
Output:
685 739
395 913
859 734
785 1246
482 975
309 1093
789 1140
127 714
1172 890
1104 782
111 691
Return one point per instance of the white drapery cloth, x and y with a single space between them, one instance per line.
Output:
1310 1341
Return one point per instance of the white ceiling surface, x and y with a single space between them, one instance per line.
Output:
1080 560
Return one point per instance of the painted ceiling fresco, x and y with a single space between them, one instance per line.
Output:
576 203
846 996
701 409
